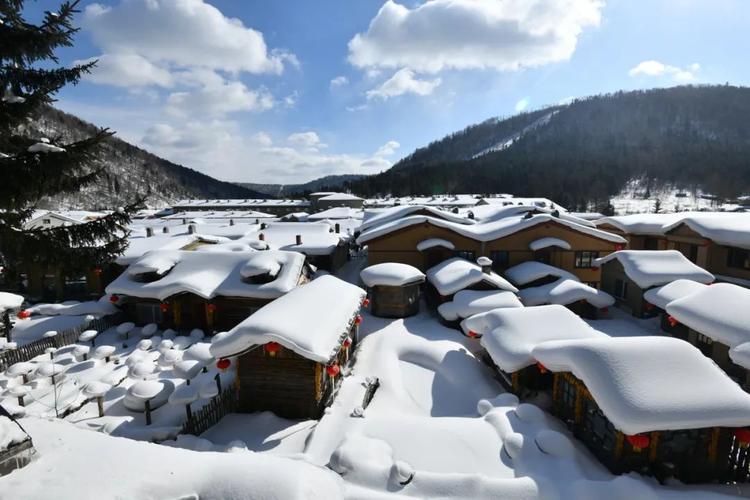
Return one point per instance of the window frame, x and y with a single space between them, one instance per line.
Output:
579 259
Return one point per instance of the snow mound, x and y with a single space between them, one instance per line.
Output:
10 301
548 242
528 272
648 268
564 292
467 303
391 274
456 274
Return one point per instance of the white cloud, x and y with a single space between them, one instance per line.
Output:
388 148
218 98
339 81
402 82
522 104
306 140
473 34
181 33
656 68
127 70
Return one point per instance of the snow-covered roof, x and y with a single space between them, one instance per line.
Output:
340 197
731 229
647 224
647 384
100 307
741 355
564 292
9 301
10 433
663 295
456 274
139 245
373 218
516 332
337 213
487 231
719 311
467 303
240 204
549 242
649 268
317 237
209 274
312 320
530 271
434 242
391 274
219 215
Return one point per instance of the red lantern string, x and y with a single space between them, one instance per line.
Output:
272 348
223 364
114 299
347 342
638 442
333 370
23 314
358 320
743 437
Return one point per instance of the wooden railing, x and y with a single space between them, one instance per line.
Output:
226 402
66 337
739 462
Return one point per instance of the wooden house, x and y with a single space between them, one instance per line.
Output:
559 240
213 291
653 405
716 319
468 303
509 335
394 289
324 247
291 353
456 274
627 275
17 449
658 298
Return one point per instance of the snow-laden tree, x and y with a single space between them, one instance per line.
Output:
33 168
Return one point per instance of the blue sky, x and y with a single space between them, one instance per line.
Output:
290 90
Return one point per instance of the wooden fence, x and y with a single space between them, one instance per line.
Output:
66 337
208 416
739 462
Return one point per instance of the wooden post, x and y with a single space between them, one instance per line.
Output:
176 312
217 378
189 413
619 442
514 381
713 446
100 404
653 446
148 412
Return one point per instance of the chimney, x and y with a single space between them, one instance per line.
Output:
257 221
556 213
191 229
149 232
231 222
337 228
486 264
262 237
471 215
184 221
299 239
165 230
263 225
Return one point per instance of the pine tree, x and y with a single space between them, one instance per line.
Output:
34 168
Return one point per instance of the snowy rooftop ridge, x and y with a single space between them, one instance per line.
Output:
456 274
718 311
530 271
210 274
645 384
732 229
312 320
373 218
648 268
467 303
391 274
663 295
565 291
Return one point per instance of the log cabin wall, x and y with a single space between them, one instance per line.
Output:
616 283
395 301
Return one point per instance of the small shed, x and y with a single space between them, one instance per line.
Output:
394 289
16 448
654 405
456 274
208 290
627 274
290 354
509 335
717 319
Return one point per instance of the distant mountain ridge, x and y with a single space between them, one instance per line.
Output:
695 138
129 171
327 183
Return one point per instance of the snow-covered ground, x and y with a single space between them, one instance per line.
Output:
635 198
439 426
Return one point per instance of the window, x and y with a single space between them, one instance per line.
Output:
500 259
466 254
621 289
693 253
651 244
585 260
46 221
738 258
704 340
592 284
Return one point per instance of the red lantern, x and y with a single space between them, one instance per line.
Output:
672 321
347 342
542 368
272 348
23 314
605 310
333 370
743 437
366 302
358 320
223 364
211 308
472 334
164 307
114 299
98 271
638 442
619 247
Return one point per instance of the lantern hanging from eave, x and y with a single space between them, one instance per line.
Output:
272 348
164 307
472 334
98 271
114 299
638 442
648 306
347 342
333 370
743 437
223 364
25 314
366 302
672 321
358 320
619 247
542 368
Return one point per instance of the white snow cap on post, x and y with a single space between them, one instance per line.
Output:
21 368
311 320
125 328
645 384
391 274
96 389
719 311
648 268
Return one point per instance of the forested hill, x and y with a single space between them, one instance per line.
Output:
130 171
583 153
